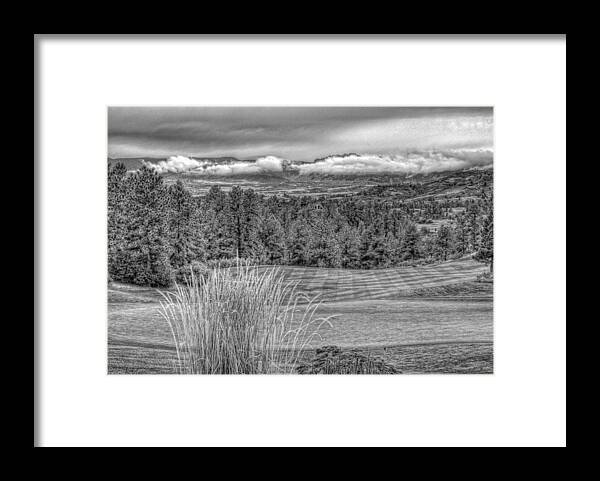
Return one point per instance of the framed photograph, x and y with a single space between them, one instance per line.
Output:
245 241
300 240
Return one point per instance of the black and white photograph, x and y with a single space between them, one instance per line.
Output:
300 240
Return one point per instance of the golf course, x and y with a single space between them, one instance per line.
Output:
422 319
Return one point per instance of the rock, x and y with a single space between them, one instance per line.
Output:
333 360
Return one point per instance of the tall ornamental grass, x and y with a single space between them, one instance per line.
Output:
239 320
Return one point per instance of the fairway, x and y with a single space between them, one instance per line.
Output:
373 310
335 285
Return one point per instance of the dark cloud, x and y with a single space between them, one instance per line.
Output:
298 133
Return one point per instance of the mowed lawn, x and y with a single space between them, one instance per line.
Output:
378 310
334 285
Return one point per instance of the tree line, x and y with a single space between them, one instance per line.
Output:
156 231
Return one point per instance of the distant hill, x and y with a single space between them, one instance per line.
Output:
460 183
449 184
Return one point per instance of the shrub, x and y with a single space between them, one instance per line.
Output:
485 277
239 321
197 269
333 360
226 262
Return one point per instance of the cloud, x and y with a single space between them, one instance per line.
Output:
298 133
271 163
180 163
422 162
416 162
174 164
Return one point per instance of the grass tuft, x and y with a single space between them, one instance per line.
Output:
238 320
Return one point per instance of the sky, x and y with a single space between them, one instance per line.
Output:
302 134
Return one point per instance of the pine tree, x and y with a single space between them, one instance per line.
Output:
272 238
368 254
181 225
117 222
198 221
145 256
298 245
251 247
349 240
235 220
410 242
461 236
485 253
324 247
443 242
217 222
472 231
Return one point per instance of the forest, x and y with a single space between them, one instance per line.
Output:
157 232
